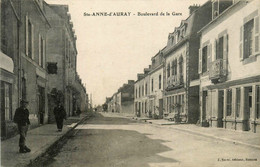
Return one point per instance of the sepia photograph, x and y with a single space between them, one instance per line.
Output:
130 83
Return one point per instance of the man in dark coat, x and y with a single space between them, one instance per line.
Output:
60 114
21 118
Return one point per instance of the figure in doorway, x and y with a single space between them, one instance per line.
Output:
60 115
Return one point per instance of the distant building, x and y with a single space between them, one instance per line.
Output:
123 100
156 86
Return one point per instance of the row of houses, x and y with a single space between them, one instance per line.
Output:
122 101
38 61
209 71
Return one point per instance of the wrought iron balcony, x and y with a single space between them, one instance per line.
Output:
218 69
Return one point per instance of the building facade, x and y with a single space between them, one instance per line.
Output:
156 86
181 57
27 47
64 81
9 54
229 67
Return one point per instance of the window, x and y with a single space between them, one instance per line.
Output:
220 48
218 6
136 92
181 69
168 70
3 27
182 108
145 88
152 85
248 38
139 91
204 59
6 100
229 102
160 81
52 68
41 51
258 102
238 94
174 67
30 41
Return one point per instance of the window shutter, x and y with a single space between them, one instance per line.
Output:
241 43
44 56
209 56
215 49
225 47
225 54
32 41
40 55
26 35
257 49
200 61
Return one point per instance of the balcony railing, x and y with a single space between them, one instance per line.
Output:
218 69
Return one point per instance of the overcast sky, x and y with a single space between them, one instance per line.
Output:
113 49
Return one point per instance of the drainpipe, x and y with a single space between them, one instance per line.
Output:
19 53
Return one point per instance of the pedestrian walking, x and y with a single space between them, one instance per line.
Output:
60 114
21 118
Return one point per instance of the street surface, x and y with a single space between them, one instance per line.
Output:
121 142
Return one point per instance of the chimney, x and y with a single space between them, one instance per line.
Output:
193 8
131 82
140 76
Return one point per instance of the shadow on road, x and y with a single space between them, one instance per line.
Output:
100 119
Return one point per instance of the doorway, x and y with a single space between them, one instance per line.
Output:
248 106
41 104
160 108
220 108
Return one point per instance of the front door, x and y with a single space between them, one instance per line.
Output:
220 108
41 102
248 107
160 108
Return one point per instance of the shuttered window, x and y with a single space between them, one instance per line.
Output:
204 59
249 37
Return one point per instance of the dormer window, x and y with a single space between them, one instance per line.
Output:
219 6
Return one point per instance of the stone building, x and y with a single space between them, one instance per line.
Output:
181 57
27 49
156 86
63 80
229 66
33 75
123 100
140 96
9 55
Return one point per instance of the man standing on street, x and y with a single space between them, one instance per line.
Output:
21 117
60 114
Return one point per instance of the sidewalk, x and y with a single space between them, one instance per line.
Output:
228 135
237 137
38 140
